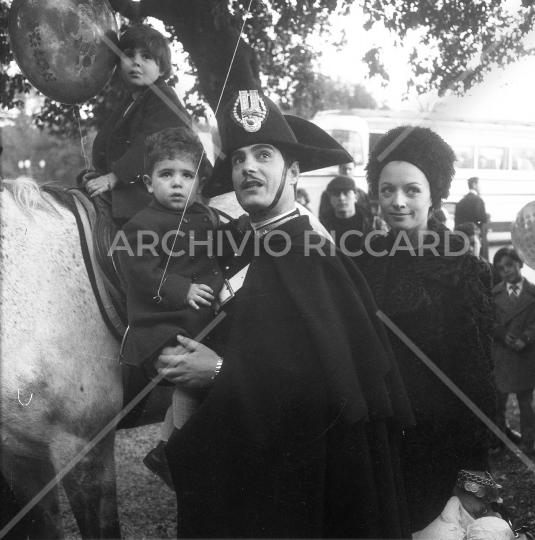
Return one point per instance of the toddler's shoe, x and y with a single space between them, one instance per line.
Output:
513 435
156 462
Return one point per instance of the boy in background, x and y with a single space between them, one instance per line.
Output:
514 334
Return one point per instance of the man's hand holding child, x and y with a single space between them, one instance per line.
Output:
199 294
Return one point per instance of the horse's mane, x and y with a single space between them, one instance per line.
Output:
30 196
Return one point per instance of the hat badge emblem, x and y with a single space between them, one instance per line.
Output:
252 110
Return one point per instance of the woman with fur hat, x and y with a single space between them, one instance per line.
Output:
439 295
297 437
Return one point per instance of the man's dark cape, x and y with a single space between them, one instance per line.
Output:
297 437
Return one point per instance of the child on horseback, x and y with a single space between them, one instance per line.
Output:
145 64
171 271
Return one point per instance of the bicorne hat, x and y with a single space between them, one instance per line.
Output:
252 118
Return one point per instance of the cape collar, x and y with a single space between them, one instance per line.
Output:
263 227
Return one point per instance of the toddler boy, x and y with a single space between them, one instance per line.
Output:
172 278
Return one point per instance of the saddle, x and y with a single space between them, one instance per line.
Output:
97 231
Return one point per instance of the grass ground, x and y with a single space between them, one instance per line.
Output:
147 507
517 481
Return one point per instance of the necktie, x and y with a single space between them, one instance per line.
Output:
514 292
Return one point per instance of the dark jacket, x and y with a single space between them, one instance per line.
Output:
294 439
119 144
515 371
471 208
325 209
152 322
362 221
443 304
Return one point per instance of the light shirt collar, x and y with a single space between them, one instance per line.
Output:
519 285
263 227
474 191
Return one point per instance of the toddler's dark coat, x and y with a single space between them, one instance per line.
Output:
153 323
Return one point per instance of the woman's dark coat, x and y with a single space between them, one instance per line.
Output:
119 144
443 304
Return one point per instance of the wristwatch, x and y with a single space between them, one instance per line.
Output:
218 367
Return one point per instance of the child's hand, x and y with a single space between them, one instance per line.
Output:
89 176
199 294
244 224
100 184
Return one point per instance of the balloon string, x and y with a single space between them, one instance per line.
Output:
200 161
83 140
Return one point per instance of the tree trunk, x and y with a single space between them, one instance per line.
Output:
209 35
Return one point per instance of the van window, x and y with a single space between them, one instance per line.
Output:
523 159
351 141
465 156
492 157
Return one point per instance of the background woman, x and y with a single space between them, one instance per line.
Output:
442 302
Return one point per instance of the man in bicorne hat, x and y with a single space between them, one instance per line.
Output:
296 436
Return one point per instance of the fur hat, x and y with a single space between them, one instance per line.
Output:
420 147
252 118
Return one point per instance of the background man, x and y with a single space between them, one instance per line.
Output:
295 437
347 169
346 215
363 198
471 208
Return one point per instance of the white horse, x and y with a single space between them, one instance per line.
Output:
60 380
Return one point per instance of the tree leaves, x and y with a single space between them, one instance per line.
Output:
323 93
460 40
373 59
464 38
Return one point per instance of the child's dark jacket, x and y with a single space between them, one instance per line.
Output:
515 371
119 144
154 323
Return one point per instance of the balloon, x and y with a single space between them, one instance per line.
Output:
523 234
64 47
